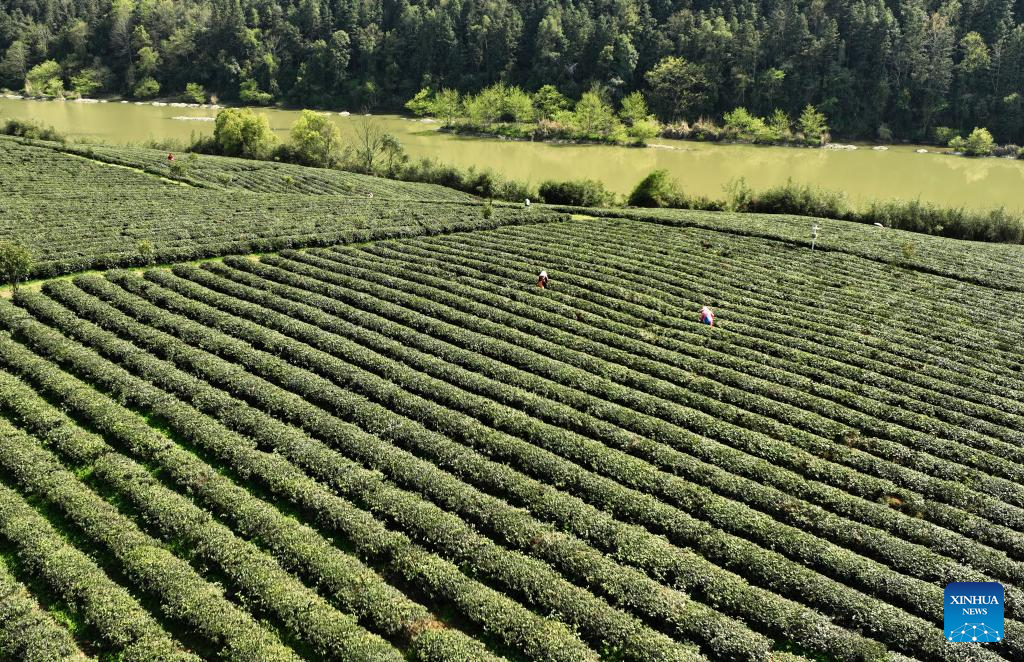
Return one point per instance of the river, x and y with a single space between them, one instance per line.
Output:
702 168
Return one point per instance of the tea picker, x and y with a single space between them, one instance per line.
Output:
542 280
707 316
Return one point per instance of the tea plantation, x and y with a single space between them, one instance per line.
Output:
391 444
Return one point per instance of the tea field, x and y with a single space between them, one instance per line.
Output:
404 449
76 212
361 432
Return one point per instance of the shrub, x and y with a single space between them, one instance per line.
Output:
581 192
814 126
792 198
742 125
706 129
979 143
241 132
944 134
194 93
147 88
32 130
780 125
45 79
249 92
420 104
1009 151
547 101
86 81
656 190
316 140
16 262
146 251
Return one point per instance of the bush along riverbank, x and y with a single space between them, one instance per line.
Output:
509 112
994 225
317 142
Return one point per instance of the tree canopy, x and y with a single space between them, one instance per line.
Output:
900 68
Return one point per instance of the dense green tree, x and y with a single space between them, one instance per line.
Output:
548 100
16 263
421 104
194 93
657 189
447 105
86 82
813 125
905 65
979 143
242 132
679 89
316 140
594 117
14 65
45 78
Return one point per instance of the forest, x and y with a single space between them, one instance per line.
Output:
888 70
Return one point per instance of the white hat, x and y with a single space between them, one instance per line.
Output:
543 274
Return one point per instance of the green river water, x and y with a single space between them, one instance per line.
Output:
702 168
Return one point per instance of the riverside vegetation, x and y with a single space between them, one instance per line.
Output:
343 164
547 114
887 70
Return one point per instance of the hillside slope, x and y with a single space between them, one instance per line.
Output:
78 212
406 448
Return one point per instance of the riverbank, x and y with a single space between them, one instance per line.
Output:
701 132
704 168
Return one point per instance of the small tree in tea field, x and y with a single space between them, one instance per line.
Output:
16 263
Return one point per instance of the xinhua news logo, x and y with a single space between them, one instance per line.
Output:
974 612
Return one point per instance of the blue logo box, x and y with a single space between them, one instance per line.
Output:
974 612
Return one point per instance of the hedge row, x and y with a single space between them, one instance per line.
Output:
626 587
717 375
993 462
183 595
646 395
969 394
27 632
525 400
463 218
218 172
665 562
853 292
346 581
186 223
934 489
516 573
852 287
922 597
493 612
788 331
256 576
296 410
673 298
665 257
124 627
